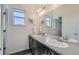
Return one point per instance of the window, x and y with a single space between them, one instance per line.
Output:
19 17
48 21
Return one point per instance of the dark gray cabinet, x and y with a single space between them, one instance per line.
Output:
37 48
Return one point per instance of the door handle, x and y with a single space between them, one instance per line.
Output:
0 48
4 30
75 34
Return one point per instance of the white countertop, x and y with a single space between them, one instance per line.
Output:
71 50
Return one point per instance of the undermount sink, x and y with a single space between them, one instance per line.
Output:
72 40
56 43
69 39
43 36
38 35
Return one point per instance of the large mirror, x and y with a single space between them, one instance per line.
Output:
52 25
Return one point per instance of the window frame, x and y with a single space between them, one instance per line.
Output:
13 22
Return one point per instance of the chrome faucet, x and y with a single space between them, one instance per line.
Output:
66 37
59 39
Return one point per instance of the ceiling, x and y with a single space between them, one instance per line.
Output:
32 8
49 7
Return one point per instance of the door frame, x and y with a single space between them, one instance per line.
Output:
4 26
1 51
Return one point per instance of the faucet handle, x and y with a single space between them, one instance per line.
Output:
60 39
66 37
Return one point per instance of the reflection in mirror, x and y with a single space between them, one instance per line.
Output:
51 26
48 22
58 25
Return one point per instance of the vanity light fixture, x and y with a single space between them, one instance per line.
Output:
41 10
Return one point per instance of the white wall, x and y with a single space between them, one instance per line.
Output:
17 36
69 15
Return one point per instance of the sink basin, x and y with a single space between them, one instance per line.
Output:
38 35
72 40
56 43
69 40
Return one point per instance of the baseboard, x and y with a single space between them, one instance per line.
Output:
21 52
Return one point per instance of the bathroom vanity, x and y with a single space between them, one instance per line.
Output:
37 48
40 44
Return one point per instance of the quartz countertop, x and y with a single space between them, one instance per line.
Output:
72 49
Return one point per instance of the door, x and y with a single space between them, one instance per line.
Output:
3 25
1 41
